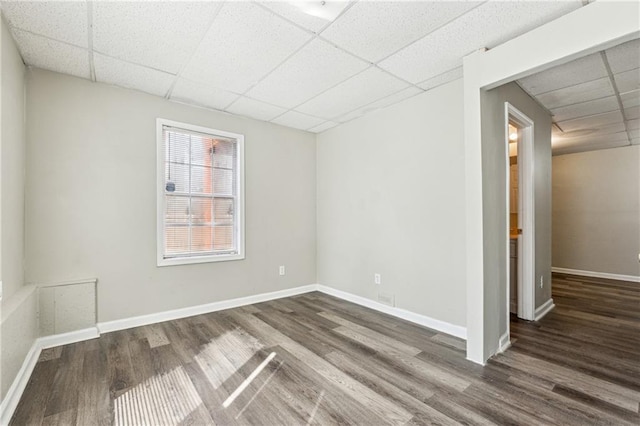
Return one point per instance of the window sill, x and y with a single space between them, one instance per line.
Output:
176 261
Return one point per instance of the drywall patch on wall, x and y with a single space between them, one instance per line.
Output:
67 307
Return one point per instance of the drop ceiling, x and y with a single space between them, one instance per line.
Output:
594 100
300 64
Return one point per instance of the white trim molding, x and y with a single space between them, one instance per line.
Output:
582 34
619 277
11 399
505 342
67 338
544 309
445 327
122 324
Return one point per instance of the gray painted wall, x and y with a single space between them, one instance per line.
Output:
18 329
596 211
494 201
92 173
391 201
13 166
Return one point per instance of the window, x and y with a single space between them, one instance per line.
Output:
200 194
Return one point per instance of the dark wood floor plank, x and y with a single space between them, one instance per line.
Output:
316 359
31 410
64 390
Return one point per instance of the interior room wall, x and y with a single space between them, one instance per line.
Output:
596 206
91 199
391 201
494 200
18 328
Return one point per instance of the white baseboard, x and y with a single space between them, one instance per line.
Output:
632 278
454 330
543 310
122 324
18 386
66 338
504 343
445 327
11 399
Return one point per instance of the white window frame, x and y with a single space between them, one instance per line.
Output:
160 191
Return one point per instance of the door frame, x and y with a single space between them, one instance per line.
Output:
526 209
581 33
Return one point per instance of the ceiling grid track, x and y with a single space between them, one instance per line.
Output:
286 47
625 122
186 63
92 67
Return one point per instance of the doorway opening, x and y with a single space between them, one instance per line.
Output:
520 241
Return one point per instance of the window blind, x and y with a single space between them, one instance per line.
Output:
200 194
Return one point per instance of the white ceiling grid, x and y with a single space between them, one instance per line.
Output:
271 60
594 100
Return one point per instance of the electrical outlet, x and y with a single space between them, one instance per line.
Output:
377 279
541 281
282 270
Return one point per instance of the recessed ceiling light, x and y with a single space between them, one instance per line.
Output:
327 10
513 136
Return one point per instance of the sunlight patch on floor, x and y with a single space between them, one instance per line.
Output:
226 354
166 399
248 380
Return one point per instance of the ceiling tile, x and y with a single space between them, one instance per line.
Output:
633 124
124 74
64 21
201 94
632 113
374 30
635 141
48 54
634 134
382 103
628 81
245 43
630 99
293 11
591 122
488 25
583 109
441 79
624 57
298 121
160 35
579 71
324 126
255 109
583 92
361 89
314 69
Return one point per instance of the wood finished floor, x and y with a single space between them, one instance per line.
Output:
339 363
